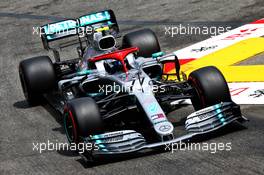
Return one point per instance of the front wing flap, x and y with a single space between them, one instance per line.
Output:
212 117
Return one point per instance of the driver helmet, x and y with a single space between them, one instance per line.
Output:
103 42
100 42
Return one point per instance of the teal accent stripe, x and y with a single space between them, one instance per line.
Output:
101 146
219 112
84 72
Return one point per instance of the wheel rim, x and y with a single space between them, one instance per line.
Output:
70 127
199 104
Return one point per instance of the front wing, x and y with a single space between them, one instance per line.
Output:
198 123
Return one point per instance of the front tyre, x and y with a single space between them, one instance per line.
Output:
210 87
81 119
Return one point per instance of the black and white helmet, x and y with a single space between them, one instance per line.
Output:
103 42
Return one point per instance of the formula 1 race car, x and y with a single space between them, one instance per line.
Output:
116 96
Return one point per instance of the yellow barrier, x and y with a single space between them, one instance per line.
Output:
225 58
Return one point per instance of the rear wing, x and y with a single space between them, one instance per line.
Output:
72 27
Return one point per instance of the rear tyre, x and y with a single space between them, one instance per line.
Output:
81 119
210 87
145 40
37 76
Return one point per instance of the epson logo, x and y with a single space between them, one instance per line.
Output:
114 139
203 111
201 117
113 134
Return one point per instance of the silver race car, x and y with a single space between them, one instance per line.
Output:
115 95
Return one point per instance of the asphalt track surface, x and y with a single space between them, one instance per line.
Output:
22 125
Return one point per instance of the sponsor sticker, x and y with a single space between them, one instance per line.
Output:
257 93
153 107
94 18
204 48
158 116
